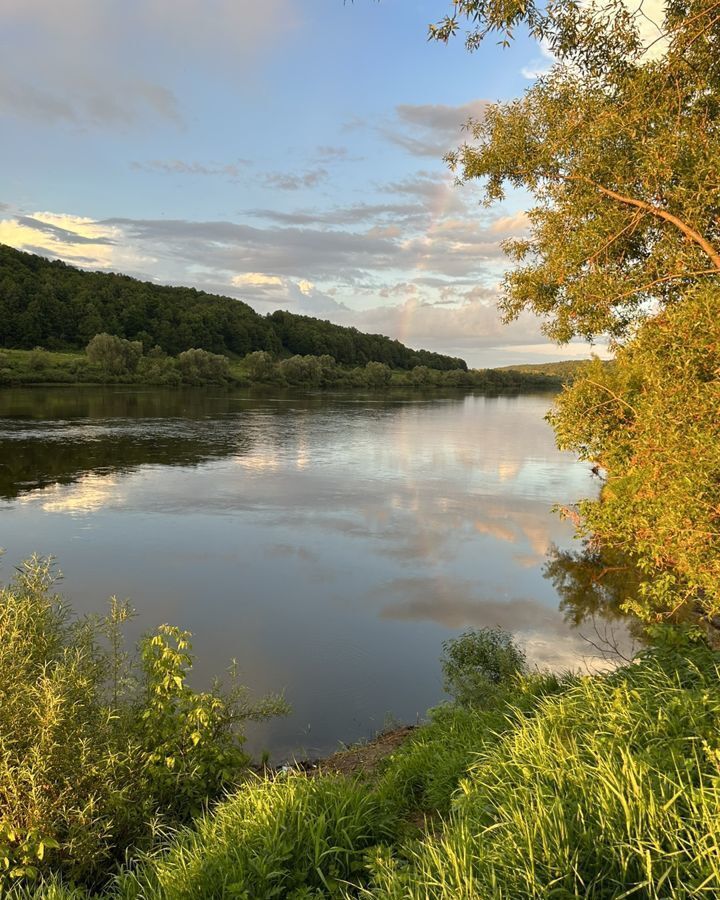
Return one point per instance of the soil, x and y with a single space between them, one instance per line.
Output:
360 759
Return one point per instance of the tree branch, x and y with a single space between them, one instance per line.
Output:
658 212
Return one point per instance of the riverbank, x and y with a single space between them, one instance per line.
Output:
196 368
591 786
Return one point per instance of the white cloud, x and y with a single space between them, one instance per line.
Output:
75 239
255 279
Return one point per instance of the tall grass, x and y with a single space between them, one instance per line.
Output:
610 790
291 837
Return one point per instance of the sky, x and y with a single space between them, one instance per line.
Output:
287 153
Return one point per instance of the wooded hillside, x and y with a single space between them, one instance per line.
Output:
53 305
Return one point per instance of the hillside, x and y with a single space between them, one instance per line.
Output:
56 306
565 370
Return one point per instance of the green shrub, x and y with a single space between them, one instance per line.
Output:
260 365
198 366
478 662
113 354
301 370
97 748
378 374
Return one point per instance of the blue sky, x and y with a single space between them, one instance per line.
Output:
288 153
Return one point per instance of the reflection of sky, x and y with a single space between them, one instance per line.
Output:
332 552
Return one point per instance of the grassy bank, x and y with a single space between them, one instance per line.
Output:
598 786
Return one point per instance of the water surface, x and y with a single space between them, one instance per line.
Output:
330 543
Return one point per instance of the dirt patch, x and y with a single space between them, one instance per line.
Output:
360 759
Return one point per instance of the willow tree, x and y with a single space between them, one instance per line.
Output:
619 147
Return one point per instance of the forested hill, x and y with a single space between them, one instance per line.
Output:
50 304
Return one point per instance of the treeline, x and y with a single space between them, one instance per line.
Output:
56 306
109 359
325 371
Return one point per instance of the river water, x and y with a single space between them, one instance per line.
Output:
328 542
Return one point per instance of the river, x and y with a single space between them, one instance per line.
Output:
328 542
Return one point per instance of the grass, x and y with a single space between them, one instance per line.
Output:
601 786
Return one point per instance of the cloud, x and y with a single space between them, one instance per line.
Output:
286 181
180 167
344 215
254 279
453 602
329 154
518 223
431 129
75 239
540 65
81 52
81 103
540 629
420 263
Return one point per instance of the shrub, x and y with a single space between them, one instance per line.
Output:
377 374
609 790
198 366
113 354
260 365
291 837
301 370
97 747
478 662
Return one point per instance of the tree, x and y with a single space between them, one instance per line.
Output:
377 374
260 365
114 354
619 145
621 152
200 366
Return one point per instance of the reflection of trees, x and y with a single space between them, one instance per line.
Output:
57 437
26 465
594 584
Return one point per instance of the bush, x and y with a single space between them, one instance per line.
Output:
198 366
291 837
476 664
377 374
260 365
301 370
113 354
96 746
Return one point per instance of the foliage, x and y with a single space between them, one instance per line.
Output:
596 786
377 374
478 663
610 789
651 422
306 336
595 585
425 773
301 370
113 354
259 365
200 366
291 837
620 147
94 751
